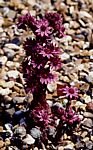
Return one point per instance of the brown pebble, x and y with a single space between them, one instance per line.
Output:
1 143
89 107
1 129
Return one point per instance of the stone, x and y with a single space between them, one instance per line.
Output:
10 64
6 91
29 140
89 107
87 98
1 143
12 46
60 148
65 56
3 60
87 123
84 134
51 87
11 14
4 84
13 74
89 145
84 14
18 100
7 142
88 115
20 131
9 53
1 129
10 111
35 133
50 103
80 145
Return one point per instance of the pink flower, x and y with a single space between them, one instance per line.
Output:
40 116
70 117
47 78
71 92
42 28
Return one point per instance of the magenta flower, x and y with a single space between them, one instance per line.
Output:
40 116
71 92
55 62
70 117
46 78
43 28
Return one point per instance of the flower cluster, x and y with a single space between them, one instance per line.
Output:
40 116
42 55
39 65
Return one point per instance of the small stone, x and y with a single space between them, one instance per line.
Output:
84 14
4 84
87 123
7 142
6 91
69 146
11 14
65 56
60 148
88 115
87 98
18 100
50 103
12 46
1 143
3 60
13 74
86 139
84 134
89 107
9 53
1 129
10 111
89 145
20 131
10 64
80 145
36 133
51 87
29 140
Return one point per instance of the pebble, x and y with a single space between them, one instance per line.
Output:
10 112
18 100
1 129
5 91
7 142
1 143
87 123
10 64
51 87
69 147
80 145
20 131
9 53
4 84
88 115
13 74
89 107
29 140
89 145
65 56
35 133
12 46
3 60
